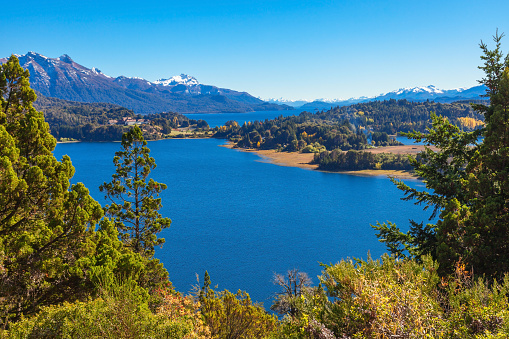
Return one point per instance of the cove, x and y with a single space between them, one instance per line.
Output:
243 219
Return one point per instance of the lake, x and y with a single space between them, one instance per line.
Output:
243 219
218 119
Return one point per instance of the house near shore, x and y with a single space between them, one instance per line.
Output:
130 122
127 121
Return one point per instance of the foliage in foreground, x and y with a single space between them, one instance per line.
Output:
232 316
53 246
399 299
46 238
122 311
385 298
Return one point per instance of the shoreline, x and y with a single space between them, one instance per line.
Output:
190 138
302 160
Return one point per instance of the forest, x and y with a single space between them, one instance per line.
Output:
71 268
392 116
356 160
329 134
353 127
295 133
71 120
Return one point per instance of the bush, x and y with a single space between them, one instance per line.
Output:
313 148
383 298
122 311
232 316
391 298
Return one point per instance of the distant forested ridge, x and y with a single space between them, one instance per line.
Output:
338 136
71 120
392 116
355 127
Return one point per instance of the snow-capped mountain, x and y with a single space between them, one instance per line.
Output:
65 79
182 79
432 92
411 94
431 89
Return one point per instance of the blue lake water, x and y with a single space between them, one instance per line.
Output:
243 219
218 119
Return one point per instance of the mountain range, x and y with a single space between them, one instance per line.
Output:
63 78
430 92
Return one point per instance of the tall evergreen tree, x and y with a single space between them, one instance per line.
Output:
468 183
46 225
134 198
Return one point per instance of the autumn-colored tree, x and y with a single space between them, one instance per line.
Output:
134 197
470 123
233 316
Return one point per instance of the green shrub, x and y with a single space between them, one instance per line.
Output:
122 311
234 316
383 298
391 298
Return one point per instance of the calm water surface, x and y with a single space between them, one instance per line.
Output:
218 119
243 219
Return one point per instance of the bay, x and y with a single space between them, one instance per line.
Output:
243 219
218 119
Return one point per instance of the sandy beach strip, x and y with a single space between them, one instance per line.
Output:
302 160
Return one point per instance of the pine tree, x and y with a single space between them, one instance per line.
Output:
46 225
134 203
483 219
468 184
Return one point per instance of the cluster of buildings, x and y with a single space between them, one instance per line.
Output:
126 121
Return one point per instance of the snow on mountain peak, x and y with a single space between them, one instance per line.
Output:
33 55
183 79
431 89
98 72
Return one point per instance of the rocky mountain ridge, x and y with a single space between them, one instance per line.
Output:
63 78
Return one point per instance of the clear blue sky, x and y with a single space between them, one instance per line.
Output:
290 49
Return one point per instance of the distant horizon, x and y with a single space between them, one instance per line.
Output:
297 50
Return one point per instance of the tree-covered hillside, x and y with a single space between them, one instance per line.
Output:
354 127
392 116
294 133
106 122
